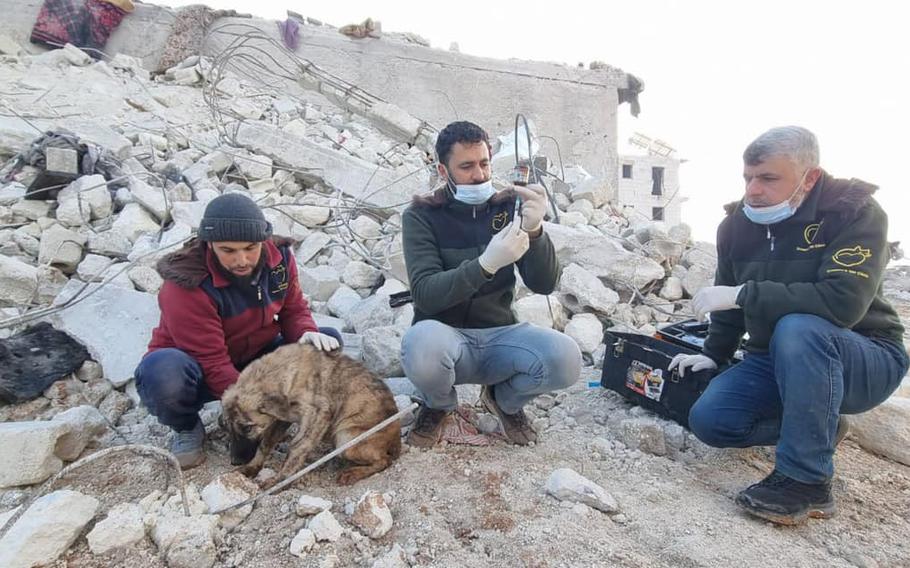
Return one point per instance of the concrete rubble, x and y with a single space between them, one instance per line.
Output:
47 529
567 485
336 183
372 515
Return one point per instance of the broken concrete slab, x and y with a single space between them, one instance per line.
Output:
18 281
382 350
186 542
154 199
84 200
355 177
122 527
580 289
47 529
61 248
372 515
603 256
93 132
128 317
133 221
28 449
586 330
85 424
885 430
567 485
15 135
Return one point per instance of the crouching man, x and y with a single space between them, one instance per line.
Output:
800 265
462 245
228 297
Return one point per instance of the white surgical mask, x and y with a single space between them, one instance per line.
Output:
772 214
474 194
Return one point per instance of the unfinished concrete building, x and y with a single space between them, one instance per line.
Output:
648 188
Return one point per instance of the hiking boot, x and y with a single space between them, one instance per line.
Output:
186 446
785 501
427 430
516 427
843 428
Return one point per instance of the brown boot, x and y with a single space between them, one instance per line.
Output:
428 430
516 426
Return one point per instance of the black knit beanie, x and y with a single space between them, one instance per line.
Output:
234 217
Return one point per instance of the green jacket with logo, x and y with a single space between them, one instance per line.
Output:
442 244
827 260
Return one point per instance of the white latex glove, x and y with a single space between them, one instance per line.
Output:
506 247
320 341
714 299
533 206
696 362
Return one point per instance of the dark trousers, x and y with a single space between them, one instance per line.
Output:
793 396
172 386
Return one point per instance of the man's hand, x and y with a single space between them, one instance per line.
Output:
696 362
506 247
320 341
714 299
533 206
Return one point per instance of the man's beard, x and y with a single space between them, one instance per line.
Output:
241 281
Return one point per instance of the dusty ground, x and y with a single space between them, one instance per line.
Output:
484 506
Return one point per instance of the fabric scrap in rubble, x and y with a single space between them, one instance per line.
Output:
92 160
34 359
86 24
460 428
290 33
188 33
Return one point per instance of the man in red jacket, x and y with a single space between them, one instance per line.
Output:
228 297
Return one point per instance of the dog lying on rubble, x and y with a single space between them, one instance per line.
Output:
326 395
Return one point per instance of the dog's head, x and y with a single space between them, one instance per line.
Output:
245 424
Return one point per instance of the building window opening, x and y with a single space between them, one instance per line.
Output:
657 179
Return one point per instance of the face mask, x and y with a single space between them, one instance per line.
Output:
475 194
774 213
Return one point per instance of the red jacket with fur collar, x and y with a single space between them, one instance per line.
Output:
221 325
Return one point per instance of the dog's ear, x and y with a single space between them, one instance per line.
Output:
280 407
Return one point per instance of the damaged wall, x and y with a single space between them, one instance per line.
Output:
576 106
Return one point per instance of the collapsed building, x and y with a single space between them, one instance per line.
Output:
108 163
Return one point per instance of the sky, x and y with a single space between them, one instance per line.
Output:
716 74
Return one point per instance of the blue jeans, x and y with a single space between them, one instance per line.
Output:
172 386
522 360
793 395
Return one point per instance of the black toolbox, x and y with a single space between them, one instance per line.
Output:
635 366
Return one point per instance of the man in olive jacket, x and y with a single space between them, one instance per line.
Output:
461 247
800 266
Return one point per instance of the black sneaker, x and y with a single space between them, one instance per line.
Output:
427 430
785 501
516 427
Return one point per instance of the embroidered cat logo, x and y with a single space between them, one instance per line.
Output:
810 232
850 257
279 279
499 220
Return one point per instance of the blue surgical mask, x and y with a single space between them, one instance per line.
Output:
774 213
474 194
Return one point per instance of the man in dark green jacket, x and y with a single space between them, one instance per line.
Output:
461 247
800 265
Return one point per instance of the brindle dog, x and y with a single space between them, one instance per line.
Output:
326 394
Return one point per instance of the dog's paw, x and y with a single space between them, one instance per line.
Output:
268 483
249 470
348 477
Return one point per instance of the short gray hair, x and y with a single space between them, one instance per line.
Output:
795 142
